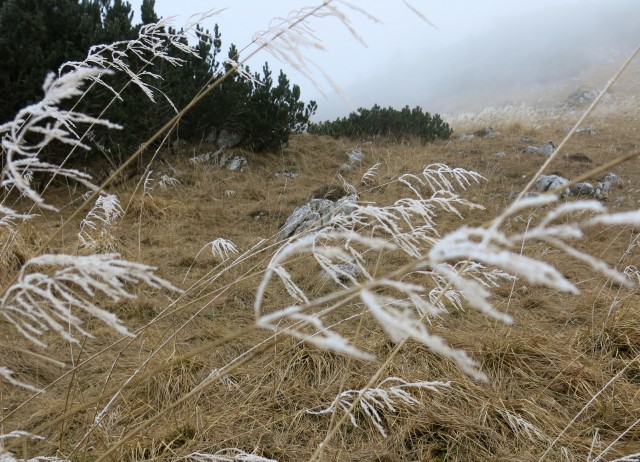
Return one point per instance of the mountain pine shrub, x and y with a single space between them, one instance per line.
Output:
262 109
386 122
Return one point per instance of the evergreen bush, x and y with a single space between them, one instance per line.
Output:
386 122
38 36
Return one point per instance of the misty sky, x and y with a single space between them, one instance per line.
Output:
476 47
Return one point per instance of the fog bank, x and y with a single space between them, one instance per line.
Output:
537 56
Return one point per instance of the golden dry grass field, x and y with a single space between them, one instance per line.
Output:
549 371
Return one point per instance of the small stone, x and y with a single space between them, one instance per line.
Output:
546 149
546 183
237 164
227 139
344 272
287 174
179 146
355 156
612 178
584 190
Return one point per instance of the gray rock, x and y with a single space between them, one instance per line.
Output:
212 156
344 168
582 96
287 174
467 136
178 146
345 272
546 183
612 179
499 154
316 213
526 139
212 136
609 180
259 215
236 164
584 190
355 156
227 139
546 149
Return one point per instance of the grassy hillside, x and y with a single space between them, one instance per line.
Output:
549 371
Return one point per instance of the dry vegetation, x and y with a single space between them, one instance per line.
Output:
198 380
549 371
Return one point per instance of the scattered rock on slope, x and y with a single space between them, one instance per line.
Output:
315 213
355 156
546 149
546 183
227 139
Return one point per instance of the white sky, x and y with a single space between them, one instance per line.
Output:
394 46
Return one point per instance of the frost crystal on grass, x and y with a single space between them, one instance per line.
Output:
370 174
458 269
95 228
166 181
377 401
6 456
51 290
223 248
523 427
9 217
152 43
39 124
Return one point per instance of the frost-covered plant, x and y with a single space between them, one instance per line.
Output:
9 218
52 290
96 228
149 183
221 249
389 396
38 125
460 267
167 181
153 42
6 456
41 123
370 174
523 427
